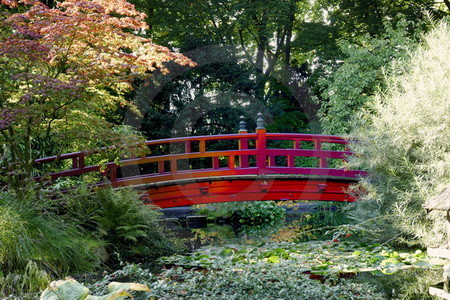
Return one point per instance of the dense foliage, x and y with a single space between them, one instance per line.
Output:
404 146
350 85
78 75
318 258
289 59
248 218
63 69
36 243
267 271
129 229
86 230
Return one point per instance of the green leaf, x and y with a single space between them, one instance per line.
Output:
116 286
227 252
389 271
421 263
320 267
273 259
394 254
65 289
70 289
242 251
389 262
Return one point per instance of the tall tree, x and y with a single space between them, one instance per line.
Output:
62 68
372 35
290 48
256 36
350 85
359 17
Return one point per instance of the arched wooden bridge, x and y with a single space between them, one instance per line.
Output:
232 167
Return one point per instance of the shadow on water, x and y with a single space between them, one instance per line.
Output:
197 231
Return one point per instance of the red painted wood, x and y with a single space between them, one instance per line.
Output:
261 146
242 161
248 190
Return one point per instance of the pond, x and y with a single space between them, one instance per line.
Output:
310 270
224 261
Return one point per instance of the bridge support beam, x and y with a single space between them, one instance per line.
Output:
245 188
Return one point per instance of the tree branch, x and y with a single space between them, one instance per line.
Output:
447 3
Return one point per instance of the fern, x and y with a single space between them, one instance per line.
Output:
121 219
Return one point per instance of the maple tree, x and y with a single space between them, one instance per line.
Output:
62 69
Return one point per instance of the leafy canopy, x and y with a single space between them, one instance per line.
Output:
404 146
64 68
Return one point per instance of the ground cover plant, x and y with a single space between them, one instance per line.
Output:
313 270
319 258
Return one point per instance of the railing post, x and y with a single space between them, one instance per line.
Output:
75 162
215 162
202 146
113 174
261 145
322 159
231 162
291 158
173 166
243 144
161 168
187 147
81 160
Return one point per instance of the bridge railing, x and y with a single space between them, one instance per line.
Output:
244 153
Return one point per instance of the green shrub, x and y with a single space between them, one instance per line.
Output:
404 145
255 217
248 218
35 243
28 234
129 227
31 280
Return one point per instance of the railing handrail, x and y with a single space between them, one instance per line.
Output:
238 162
270 136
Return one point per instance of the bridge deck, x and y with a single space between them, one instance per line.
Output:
223 168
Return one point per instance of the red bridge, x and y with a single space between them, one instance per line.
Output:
225 168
